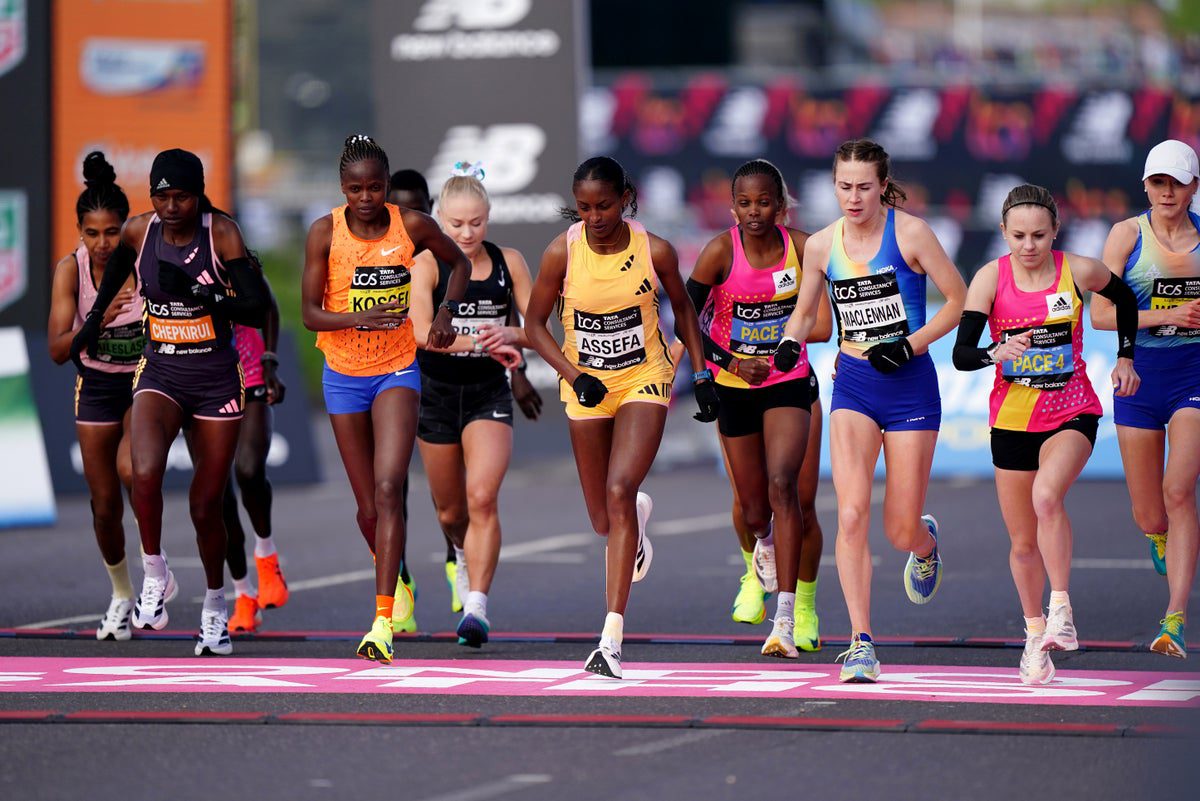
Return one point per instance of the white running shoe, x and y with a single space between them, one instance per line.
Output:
645 551
462 582
1036 667
117 621
782 641
150 610
764 566
213 638
604 661
1060 630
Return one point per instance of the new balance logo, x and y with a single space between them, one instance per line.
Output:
657 390
163 183
645 287
628 264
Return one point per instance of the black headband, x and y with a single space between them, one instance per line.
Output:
177 169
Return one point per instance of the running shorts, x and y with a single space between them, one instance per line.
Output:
217 395
742 410
1021 450
102 398
446 409
1170 382
906 400
350 394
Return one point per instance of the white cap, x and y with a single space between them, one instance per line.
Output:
1173 158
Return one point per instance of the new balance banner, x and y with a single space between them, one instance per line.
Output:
493 81
156 74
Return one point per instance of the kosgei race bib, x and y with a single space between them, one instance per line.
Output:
371 286
610 341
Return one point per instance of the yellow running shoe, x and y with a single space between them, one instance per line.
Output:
807 631
1158 552
404 610
456 603
377 644
748 606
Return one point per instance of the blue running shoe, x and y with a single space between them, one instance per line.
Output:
1158 552
860 666
923 574
473 629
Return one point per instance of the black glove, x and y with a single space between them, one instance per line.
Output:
174 281
707 400
589 390
888 357
86 337
787 353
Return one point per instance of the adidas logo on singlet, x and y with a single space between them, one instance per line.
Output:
162 184
644 288
1061 305
628 264
786 280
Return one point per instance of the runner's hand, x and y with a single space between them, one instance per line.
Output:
787 354
120 304
507 355
707 400
753 371
526 396
275 388
888 357
1012 348
589 390
1185 316
1124 380
441 333
493 336
380 317
174 281
85 339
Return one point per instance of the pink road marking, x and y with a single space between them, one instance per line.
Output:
549 679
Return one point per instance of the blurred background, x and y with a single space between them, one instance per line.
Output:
970 97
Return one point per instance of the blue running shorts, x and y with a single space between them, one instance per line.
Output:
1170 382
349 394
906 400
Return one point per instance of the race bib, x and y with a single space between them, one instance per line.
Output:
756 328
1168 293
870 308
1048 362
121 344
371 286
177 328
611 341
472 315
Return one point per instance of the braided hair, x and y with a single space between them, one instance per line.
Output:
763 167
872 153
360 147
102 192
609 171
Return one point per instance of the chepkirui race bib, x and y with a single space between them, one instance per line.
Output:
870 308
610 341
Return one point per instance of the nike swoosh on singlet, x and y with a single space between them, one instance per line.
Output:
498 415
389 251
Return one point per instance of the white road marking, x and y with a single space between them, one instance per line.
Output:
509 784
1101 563
658 746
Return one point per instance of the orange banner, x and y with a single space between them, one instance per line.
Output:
132 78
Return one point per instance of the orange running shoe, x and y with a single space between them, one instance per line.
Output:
246 615
272 586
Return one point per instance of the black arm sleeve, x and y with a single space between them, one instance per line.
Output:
247 303
120 265
699 293
967 353
1123 298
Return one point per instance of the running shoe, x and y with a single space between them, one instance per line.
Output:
456 601
860 666
1170 639
780 642
213 639
1158 552
473 628
923 574
247 615
645 551
807 632
150 610
748 604
1060 630
117 621
604 661
1036 667
764 566
462 584
272 587
377 644
404 609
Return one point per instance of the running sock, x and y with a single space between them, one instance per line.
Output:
155 566
806 595
118 574
748 558
1058 598
1036 625
214 600
264 547
613 631
384 604
404 577
768 538
244 586
785 606
863 636
460 555
476 601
